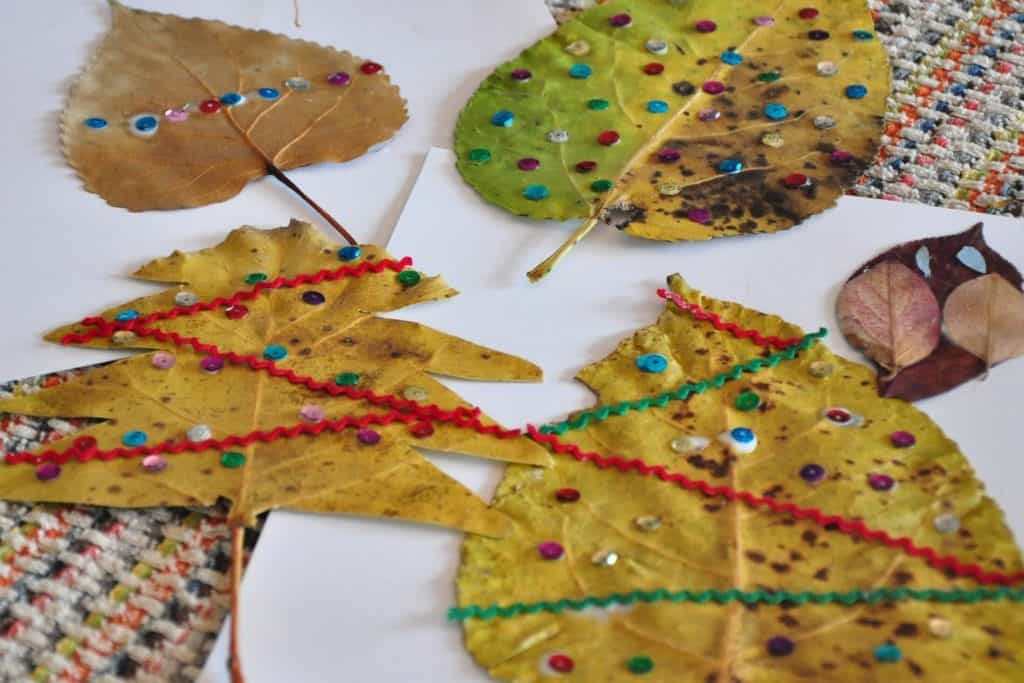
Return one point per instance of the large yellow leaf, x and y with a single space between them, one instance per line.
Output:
668 537
136 130
326 329
728 118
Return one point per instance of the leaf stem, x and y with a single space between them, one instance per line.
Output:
548 264
273 170
237 551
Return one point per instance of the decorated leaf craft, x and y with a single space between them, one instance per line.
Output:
270 381
784 524
986 317
175 112
943 264
680 121
890 312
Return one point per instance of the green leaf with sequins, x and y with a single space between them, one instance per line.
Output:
747 128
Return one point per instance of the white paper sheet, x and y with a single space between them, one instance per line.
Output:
64 253
329 599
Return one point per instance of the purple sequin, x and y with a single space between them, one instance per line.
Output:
550 550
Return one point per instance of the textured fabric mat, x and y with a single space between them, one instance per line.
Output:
92 594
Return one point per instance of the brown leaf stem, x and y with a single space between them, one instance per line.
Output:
279 174
237 552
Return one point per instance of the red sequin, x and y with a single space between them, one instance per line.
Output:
209 106
608 138
84 443
839 415
586 166
654 68
567 495
808 13
563 664
422 429
794 180
236 312
371 68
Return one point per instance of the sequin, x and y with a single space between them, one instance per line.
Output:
349 253
578 48
209 106
254 278
741 439
85 443
881 482
840 158
313 298
702 216
812 473
585 166
134 438
503 119
551 550
415 394
807 13
232 459
144 125
370 68
709 115
479 156
641 664
580 71
185 299
689 444
657 106
162 360
567 495
368 437
769 76
775 111
422 430
297 83
311 413
176 115
602 185
608 138
863 35
730 166
940 627
408 278
598 104
902 439
888 653
96 123
48 471
773 140
705 26
647 523
947 523
346 379
125 316
232 99
604 558
269 93
621 20
339 78
154 463
528 164
558 136
236 312
732 58
856 92
780 646
669 189
795 181
748 400
764 20
842 417
824 122
521 75
535 192
668 155
820 368
212 364
652 362
124 337
713 87
275 352
827 69
684 88
560 664
818 35
199 432
654 68
656 46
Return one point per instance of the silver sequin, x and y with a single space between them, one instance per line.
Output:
199 433
689 444
824 122
656 46
297 83
605 558
647 523
947 523
558 136
415 394
578 48
185 299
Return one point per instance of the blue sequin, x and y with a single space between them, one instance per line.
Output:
231 99
96 122
349 253
146 123
269 93
125 316
503 119
580 71
732 58
742 435
657 106
731 166
275 352
652 362
134 438
888 653
863 35
775 111
856 92
535 192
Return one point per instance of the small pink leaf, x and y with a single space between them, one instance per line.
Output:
891 314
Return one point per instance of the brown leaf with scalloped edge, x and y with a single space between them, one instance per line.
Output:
986 317
891 314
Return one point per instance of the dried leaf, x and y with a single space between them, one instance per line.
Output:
327 329
890 312
948 365
986 316
748 128
707 542
137 131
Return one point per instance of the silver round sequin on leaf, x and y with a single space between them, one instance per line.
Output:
689 444
199 433
647 523
947 523
820 368
940 627
604 558
773 139
297 83
669 189
558 136
824 122
578 48
185 299
827 69
656 46
415 394
123 337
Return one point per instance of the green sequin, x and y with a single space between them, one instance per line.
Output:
601 185
347 379
640 664
232 459
748 400
479 155
408 278
253 278
598 104
769 76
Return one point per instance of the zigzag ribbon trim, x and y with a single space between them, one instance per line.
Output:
734 329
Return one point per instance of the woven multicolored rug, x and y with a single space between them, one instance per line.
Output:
94 594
